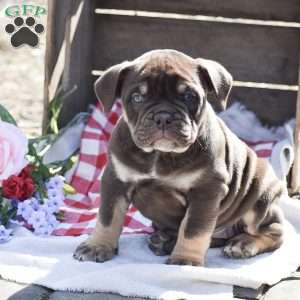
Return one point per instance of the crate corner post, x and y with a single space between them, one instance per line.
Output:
295 180
68 60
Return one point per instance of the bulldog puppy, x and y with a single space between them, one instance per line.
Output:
177 162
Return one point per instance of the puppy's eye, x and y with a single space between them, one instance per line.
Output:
189 96
137 97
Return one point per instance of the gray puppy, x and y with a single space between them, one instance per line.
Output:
178 163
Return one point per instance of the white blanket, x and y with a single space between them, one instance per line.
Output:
137 272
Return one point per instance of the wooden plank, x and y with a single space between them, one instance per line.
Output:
203 18
58 13
49 62
251 53
69 64
295 180
80 63
272 107
256 9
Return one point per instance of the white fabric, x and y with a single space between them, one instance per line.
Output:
247 126
68 141
136 271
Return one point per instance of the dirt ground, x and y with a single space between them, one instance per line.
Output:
22 76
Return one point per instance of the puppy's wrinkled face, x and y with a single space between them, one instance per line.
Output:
164 94
163 98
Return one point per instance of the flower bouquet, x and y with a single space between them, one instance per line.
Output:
31 192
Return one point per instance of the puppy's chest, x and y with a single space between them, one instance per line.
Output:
179 179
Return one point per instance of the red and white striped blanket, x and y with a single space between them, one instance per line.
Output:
80 210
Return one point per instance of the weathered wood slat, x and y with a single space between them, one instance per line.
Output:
203 18
68 62
295 180
251 53
259 85
282 10
272 107
80 61
54 40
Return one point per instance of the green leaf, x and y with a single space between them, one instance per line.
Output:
1 197
42 143
32 150
4 212
44 171
6 116
62 166
69 163
55 107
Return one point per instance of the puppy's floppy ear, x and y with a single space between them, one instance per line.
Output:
217 79
108 86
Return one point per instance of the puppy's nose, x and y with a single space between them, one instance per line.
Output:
162 119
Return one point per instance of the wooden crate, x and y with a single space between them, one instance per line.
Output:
258 41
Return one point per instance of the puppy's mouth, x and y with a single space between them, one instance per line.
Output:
164 141
161 136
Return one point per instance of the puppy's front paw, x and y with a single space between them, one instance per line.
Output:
181 261
241 247
99 253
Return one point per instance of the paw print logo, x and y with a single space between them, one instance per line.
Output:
24 33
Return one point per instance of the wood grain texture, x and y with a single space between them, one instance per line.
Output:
80 62
49 62
295 180
75 16
250 53
284 10
56 19
272 107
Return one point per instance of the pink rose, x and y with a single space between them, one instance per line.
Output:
13 148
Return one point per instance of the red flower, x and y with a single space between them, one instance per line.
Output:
11 186
28 189
26 172
18 187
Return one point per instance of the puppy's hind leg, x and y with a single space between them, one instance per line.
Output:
257 238
161 243
166 208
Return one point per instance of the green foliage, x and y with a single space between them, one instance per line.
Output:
6 211
42 172
55 107
6 116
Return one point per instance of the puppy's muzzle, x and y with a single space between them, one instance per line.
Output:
163 130
163 119
162 122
